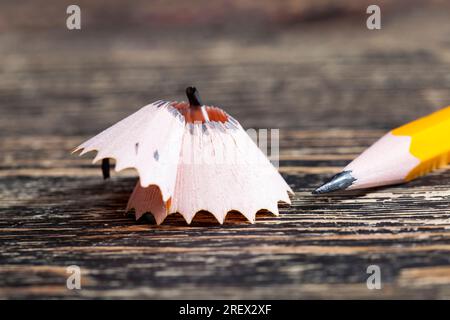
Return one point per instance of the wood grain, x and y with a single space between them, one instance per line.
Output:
320 247
332 89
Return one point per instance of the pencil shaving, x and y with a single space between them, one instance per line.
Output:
190 158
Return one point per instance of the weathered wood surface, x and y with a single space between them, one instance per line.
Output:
331 91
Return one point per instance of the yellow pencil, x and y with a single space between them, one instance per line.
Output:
403 154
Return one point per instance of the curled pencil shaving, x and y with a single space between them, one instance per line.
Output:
190 158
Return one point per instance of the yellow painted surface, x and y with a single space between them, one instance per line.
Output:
430 141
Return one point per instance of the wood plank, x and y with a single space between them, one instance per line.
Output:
57 216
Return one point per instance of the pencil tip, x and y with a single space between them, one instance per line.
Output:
105 168
193 96
340 181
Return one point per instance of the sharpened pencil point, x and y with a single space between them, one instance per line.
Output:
340 181
194 97
105 168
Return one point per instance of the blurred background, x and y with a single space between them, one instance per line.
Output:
271 64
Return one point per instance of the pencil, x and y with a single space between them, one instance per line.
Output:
401 155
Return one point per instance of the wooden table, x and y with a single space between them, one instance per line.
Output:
331 91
